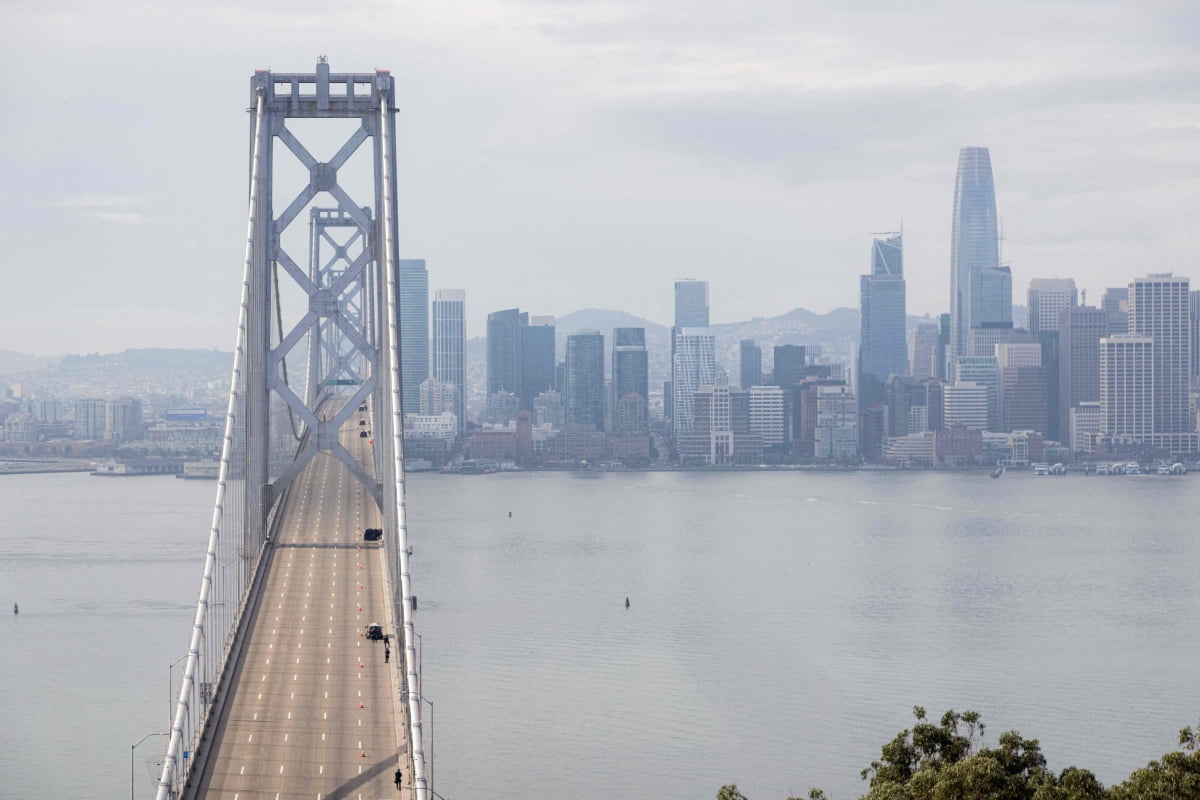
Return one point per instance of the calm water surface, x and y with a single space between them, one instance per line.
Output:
781 626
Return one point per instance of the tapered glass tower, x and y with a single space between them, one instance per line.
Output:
978 284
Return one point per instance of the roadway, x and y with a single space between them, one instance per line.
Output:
311 712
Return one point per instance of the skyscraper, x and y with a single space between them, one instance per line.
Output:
694 365
749 363
691 311
630 372
585 379
1080 330
412 282
1126 372
922 351
449 342
504 350
1194 305
691 304
977 281
882 348
537 358
1158 308
1047 298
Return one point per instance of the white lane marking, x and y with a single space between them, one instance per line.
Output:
243 770
256 715
293 695
280 772
250 738
285 736
321 772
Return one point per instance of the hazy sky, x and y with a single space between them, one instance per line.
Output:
561 154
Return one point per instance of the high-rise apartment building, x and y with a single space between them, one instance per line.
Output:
449 346
1047 298
694 365
1080 330
90 419
980 289
836 433
123 420
412 283
1158 308
1126 373
585 379
749 363
630 372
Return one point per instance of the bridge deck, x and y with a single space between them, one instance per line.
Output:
311 712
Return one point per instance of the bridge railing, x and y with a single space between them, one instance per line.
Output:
233 556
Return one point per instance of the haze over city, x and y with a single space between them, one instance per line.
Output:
567 155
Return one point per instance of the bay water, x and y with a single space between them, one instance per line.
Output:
781 625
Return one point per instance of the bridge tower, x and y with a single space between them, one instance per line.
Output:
313 345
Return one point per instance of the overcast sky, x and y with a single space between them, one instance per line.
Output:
558 155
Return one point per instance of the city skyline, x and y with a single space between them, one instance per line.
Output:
757 163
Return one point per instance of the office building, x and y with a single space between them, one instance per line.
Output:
980 289
1116 304
750 363
1046 300
923 351
966 404
504 350
766 414
982 371
1158 309
438 397
1080 330
1126 372
630 372
693 366
584 398
882 347
691 304
412 282
123 420
1194 305
537 359
449 346
982 341
713 417
836 432
1085 422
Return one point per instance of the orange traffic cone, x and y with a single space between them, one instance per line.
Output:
360 705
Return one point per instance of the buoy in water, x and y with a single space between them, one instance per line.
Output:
627 602
510 515
16 609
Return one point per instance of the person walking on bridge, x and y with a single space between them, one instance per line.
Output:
399 779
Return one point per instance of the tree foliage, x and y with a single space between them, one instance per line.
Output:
947 761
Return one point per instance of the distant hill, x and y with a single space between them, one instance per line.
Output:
21 362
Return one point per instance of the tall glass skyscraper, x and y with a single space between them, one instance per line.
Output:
630 364
693 365
691 304
449 341
504 350
980 289
585 379
883 346
413 285
537 359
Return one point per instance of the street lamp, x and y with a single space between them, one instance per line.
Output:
131 749
171 689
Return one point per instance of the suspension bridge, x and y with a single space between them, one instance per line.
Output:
283 693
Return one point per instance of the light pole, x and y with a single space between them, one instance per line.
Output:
171 689
131 749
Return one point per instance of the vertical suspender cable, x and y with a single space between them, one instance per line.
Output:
172 763
391 302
